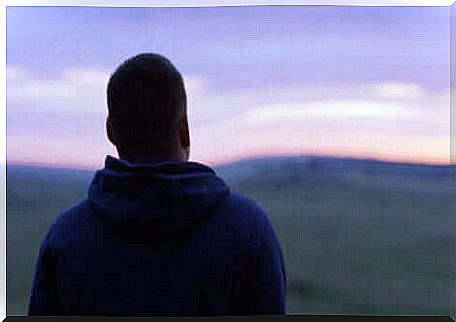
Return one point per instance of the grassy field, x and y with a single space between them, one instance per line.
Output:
358 236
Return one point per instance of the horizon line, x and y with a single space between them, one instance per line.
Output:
242 159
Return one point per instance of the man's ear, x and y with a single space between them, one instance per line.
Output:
109 131
184 133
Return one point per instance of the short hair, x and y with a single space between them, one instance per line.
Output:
146 99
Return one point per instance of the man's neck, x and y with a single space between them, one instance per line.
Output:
149 160
144 158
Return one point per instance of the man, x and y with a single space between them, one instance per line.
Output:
157 235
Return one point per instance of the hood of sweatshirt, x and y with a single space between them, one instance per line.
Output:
158 200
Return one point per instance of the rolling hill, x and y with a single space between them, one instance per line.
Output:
358 236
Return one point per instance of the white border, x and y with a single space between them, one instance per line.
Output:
3 163
215 3
134 3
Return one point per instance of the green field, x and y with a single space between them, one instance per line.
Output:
358 236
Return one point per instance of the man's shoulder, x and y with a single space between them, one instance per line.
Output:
242 205
252 222
71 221
245 211
73 214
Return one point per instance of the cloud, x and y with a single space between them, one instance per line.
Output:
398 90
63 113
86 77
225 124
232 143
76 90
378 99
327 110
342 120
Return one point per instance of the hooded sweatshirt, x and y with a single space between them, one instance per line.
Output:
166 238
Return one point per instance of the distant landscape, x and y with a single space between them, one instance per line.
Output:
358 236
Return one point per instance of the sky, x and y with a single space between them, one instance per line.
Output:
367 82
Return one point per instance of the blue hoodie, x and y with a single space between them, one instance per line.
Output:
160 239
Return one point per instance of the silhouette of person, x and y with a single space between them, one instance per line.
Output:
157 235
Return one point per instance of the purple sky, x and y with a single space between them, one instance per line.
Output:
261 80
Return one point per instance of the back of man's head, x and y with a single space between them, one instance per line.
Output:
147 108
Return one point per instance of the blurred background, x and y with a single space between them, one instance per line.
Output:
334 119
